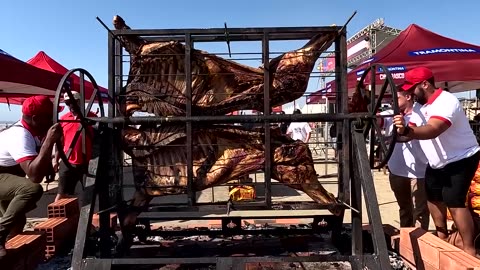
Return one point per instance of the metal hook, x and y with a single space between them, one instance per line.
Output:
227 39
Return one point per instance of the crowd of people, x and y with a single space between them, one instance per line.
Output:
430 170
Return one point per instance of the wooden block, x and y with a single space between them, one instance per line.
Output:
458 261
113 220
63 208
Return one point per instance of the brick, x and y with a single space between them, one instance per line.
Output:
113 220
64 208
54 228
24 251
420 247
458 261
59 232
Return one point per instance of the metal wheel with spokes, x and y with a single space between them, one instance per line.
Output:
65 86
381 142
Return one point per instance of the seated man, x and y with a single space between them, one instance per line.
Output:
22 154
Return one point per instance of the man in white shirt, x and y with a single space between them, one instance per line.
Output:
22 154
299 130
452 151
407 167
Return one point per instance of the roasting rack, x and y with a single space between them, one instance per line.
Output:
354 173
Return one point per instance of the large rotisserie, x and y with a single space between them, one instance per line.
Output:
157 85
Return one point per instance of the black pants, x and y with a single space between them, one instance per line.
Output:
451 183
69 177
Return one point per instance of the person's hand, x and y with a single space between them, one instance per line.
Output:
54 134
399 123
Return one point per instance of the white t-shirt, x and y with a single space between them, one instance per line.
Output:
408 159
457 142
17 145
299 130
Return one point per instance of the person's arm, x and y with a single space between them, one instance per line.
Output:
35 165
308 130
308 137
432 129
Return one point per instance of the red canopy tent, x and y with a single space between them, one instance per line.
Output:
19 79
455 64
43 61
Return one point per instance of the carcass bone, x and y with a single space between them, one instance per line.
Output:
157 83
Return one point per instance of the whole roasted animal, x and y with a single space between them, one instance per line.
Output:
156 85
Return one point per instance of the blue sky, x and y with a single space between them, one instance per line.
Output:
69 32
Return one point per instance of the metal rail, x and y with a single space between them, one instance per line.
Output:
230 119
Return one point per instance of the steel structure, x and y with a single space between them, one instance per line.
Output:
107 182
377 35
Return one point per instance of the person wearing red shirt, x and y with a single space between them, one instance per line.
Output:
70 176
25 160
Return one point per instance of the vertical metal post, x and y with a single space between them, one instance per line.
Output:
118 94
343 129
82 110
373 96
266 112
188 82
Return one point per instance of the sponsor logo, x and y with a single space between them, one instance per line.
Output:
396 76
443 50
393 69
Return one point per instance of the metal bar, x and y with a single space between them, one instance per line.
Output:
82 111
83 229
120 106
112 67
373 94
118 90
273 118
188 88
210 260
239 260
236 38
266 112
245 214
356 202
274 231
232 31
342 107
364 174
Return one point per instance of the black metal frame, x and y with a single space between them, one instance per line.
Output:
351 178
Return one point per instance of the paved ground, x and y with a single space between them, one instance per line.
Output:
386 199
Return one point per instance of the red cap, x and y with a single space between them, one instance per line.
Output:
415 76
37 105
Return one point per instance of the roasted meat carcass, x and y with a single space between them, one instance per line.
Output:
156 85
156 82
